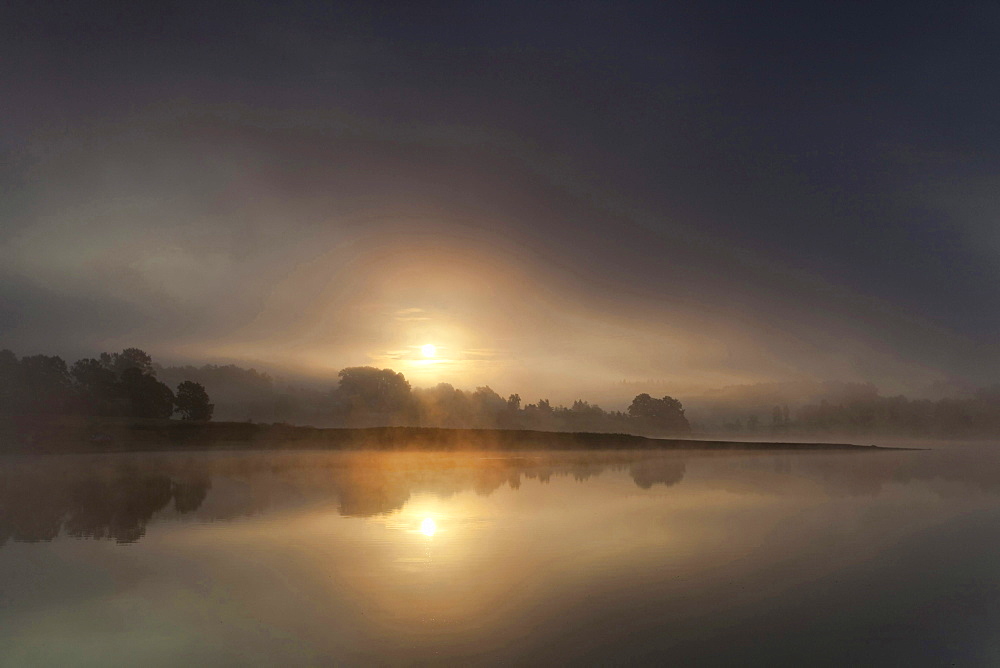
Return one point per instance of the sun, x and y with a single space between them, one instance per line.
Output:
429 350
428 527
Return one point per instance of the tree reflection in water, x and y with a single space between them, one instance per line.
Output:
115 497
39 500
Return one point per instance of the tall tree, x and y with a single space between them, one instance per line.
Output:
147 397
98 387
11 384
666 413
46 383
130 358
374 390
192 402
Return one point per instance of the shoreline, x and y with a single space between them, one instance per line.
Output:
160 435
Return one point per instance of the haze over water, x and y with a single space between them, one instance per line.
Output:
306 558
516 225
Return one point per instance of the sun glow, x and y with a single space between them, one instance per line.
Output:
428 527
429 350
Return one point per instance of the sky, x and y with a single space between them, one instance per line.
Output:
559 196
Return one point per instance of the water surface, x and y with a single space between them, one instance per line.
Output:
310 558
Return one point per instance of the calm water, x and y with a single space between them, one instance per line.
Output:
882 558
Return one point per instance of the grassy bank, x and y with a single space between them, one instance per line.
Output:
119 435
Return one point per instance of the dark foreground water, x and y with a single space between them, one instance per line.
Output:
875 558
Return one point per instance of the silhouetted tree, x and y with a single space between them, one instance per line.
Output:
487 404
130 358
11 384
443 405
238 394
376 390
147 397
98 386
666 413
192 402
46 383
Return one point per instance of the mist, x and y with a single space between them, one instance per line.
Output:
38 392
499 333
544 223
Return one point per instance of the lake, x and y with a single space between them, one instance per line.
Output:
598 557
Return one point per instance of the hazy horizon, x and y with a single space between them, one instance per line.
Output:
505 332
321 187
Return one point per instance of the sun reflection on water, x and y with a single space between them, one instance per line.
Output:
428 527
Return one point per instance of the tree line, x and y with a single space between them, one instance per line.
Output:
860 409
130 384
367 396
111 385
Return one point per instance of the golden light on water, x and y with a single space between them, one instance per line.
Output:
428 527
429 350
